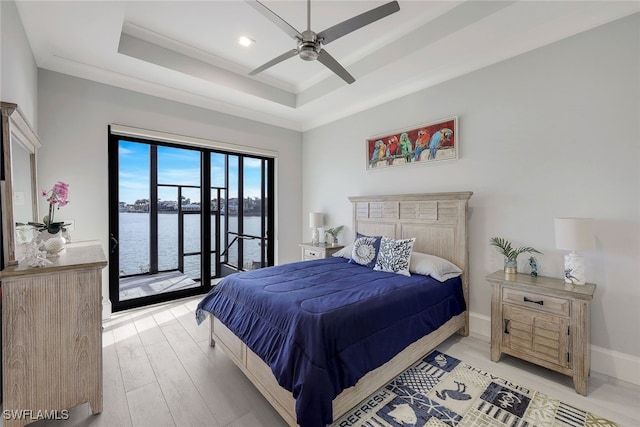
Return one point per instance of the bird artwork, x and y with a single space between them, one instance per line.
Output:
384 151
422 142
569 277
433 141
406 147
437 139
533 263
403 414
379 147
393 147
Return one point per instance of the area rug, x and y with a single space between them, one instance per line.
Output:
442 391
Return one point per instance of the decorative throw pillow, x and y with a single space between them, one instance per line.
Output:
431 265
365 250
394 255
344 252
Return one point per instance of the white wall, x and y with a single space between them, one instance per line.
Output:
550 133
18 69
74 115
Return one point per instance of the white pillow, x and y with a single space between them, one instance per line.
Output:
394 255
434 266
344 252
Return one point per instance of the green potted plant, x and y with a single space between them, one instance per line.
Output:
510 254
333 232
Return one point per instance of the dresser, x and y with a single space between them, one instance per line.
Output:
542 320
52 335
318 250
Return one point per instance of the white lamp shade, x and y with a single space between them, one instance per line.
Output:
316 220
574 234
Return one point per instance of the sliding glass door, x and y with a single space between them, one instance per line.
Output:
165 242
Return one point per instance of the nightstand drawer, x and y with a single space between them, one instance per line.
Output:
538 301
313 254
311 251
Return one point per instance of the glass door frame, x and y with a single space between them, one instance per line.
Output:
213 255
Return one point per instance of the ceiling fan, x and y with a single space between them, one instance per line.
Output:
310 43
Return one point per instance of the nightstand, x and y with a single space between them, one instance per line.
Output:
318 250
542 320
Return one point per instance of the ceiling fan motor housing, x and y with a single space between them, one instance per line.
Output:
309 47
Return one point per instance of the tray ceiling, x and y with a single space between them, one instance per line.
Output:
188 51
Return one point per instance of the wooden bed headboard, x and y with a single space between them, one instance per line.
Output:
438 221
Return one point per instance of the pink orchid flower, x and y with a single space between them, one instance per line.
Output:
58 195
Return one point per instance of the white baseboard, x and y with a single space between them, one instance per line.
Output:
480 326
620 366
106 308
614 364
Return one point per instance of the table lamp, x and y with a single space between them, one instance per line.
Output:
574 234
316 221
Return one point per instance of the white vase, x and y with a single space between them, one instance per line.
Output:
52 243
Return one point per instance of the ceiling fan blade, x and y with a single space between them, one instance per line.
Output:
273 17
274 61
334 66
359 21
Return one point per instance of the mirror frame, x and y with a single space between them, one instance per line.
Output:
15 126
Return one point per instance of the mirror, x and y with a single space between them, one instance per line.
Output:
23 200
19 186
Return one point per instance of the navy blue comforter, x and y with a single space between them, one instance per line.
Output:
321 325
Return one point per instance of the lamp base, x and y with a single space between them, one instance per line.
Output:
315 237
574 269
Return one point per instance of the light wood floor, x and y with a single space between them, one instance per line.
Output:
160 371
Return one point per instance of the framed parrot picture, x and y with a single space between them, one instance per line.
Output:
428 143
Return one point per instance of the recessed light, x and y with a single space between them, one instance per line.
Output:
246 41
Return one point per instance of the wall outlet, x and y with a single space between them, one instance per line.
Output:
18 198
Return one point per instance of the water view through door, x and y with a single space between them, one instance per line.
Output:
162 245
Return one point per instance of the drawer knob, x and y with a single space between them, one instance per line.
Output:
533 301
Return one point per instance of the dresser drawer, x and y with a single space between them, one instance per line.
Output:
537 301
313 254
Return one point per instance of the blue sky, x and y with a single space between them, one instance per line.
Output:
179 166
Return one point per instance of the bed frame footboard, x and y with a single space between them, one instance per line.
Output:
212 338
259 373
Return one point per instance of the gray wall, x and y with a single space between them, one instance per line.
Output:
74 115
550 133
18 69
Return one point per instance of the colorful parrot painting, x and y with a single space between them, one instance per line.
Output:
384 150
406 147
379 147
422 142
393 147
437 139
432 141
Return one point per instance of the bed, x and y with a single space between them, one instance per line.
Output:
329 367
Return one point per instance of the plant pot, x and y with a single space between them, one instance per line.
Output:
53 243
510 266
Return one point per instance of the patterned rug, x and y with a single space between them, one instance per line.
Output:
442 391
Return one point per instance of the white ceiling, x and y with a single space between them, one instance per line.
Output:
188 51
